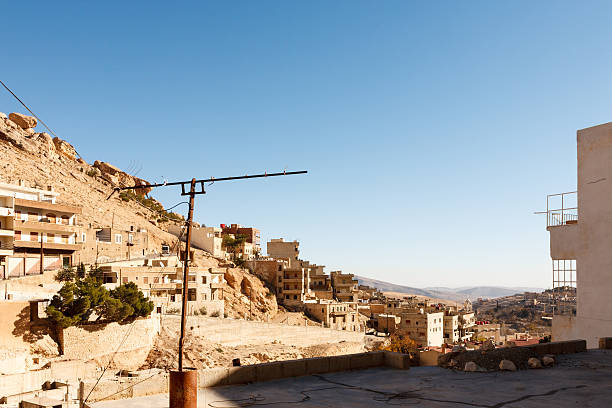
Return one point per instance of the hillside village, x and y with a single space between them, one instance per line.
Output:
59 213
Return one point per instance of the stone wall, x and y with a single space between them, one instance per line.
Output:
100 341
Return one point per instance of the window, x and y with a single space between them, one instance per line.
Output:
32 216
155 280
17 235
83 237
204 280
65 220
18 215
124 280
203 296
34 236
145 280
118 238
131 238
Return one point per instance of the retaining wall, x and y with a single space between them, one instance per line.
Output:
100 341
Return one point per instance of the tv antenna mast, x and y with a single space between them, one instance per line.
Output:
183 394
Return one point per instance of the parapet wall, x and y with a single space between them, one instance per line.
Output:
157 382
101 341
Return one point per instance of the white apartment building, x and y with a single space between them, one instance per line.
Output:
36 233
580 227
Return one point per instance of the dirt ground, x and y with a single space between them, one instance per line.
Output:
214 342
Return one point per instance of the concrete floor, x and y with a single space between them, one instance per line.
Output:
583 379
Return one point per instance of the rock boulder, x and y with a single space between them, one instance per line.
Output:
534 363
507 365
23 121
548 361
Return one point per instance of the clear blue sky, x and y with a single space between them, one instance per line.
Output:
431 131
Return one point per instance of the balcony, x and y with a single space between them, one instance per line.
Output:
6 212
6 248
47 245
6 233
562 223
45 226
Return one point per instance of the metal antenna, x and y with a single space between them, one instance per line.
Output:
192 188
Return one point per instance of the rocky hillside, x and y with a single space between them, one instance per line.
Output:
42 161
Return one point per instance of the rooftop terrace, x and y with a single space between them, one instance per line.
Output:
577 379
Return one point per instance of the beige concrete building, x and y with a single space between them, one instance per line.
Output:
345 287
208 239
36 233
579 224
335 315
320 283
289 251
101 245
426 329
164 286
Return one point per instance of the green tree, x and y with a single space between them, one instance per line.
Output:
80 271
65 275
130 295
67 307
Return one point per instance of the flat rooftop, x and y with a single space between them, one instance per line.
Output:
582 379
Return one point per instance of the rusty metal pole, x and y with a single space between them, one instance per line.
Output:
184 382
186 276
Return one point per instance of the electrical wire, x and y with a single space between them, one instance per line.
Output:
126 335
33 114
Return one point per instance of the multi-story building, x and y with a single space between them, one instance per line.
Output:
320 283
208 239
36 233
579 223
451 328
100 245
467 321
289 251
426 329
164 286
344 285
336 315
252 235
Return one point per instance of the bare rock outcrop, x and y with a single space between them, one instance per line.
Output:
247 296
23 121
12 133
120 178
64 148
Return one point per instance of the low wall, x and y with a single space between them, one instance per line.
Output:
100 342
157 382
149 382
65 371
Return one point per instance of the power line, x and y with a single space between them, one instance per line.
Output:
29 110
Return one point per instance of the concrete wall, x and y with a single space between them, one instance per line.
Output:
14 323
564 241
99 342
155 382
594 260
65 371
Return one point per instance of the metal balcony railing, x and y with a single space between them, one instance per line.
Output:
561 209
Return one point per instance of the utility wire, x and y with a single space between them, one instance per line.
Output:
29 110
125 338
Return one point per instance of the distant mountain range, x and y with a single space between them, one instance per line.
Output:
454 294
